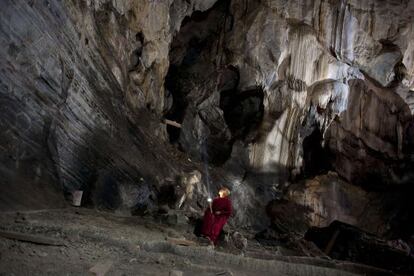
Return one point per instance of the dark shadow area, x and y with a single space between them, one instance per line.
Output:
198 226
346 242
315 156
218 150
135 56
243 111
167 196
106 194
177 111
190 60
399 205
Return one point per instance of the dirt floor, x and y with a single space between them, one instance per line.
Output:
72 241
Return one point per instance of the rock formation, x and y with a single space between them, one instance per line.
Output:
267 93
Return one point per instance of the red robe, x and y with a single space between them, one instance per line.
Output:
212 223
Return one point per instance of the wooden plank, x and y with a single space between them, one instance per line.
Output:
31 238
101 268
181 242
172 123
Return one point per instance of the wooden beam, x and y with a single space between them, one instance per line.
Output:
31 238
183 242
101 268
172 123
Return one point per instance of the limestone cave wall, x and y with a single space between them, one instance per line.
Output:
270 96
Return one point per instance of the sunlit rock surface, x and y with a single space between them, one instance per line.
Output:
266 93
309 58
319 43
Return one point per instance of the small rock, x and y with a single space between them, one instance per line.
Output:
186 261
226 228
203 241
176 273
133 260
160 260
169 219
101 268
163 209
42 254
239 241
20 218
173 234
224 273
182 219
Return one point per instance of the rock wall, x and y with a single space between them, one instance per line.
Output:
328 198
307 56
266 92
81 92
337 91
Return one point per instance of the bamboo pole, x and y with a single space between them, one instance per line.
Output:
172 123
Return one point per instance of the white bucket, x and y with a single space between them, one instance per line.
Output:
77 198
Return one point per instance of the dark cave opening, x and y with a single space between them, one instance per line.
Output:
315 156
135 56
191 61
243 111
167 195
179 82
179 106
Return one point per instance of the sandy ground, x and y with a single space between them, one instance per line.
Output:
137 246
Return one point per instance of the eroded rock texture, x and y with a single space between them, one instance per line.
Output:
81 98
267 93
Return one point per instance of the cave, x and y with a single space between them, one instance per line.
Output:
315 156
189 60
206 137
177 111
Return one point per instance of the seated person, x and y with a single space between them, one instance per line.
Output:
216 216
